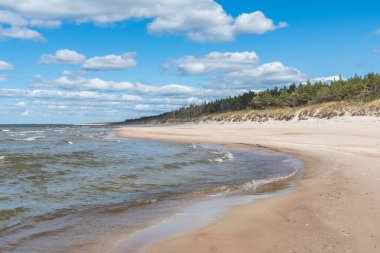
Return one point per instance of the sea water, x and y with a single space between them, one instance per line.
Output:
80 189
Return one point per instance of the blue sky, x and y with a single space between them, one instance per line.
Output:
96 61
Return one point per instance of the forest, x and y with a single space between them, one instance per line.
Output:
358 88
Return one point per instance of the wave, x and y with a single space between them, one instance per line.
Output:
34 138
248 187
59 130
31 132
256 183
223 155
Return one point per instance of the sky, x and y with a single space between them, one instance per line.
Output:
64 61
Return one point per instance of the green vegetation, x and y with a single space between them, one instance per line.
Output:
355 89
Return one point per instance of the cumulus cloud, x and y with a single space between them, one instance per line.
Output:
6 65
3 78
198 20
255 23
77 81
83 97
47 24
18 93
211 23
10 18
63 56
110 62
213 62
14 26
97 63
238 70
23 33
274 74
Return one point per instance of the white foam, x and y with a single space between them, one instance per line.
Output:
5 130
226 156
2 157
253 184
59 130
218 160
32 138
32 132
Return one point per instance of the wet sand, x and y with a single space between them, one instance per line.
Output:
336 205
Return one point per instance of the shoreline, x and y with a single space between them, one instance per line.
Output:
204 210
341 183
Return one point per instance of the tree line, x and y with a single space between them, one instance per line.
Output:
358 88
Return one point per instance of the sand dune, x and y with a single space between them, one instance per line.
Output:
336 207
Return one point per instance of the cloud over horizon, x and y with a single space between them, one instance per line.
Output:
236 70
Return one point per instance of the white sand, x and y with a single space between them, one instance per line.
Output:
336 207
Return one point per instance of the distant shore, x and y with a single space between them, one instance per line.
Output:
335 208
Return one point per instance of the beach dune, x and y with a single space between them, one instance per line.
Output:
336 207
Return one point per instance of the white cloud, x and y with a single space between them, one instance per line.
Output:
98 63
274 74
236 70
76 81
18 93
23 33
213 62
255 23
10 18
6 65
21 104
47 24
14 26
128 91
3 78
154 108
327 79
376 50
377 31
110 62
100 98
209 22
63 56
198 20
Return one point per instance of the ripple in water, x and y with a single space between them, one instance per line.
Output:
60 184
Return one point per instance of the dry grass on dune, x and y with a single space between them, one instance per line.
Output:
319 111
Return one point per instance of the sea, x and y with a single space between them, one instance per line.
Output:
67 188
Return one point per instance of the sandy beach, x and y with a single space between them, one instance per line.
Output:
336 205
